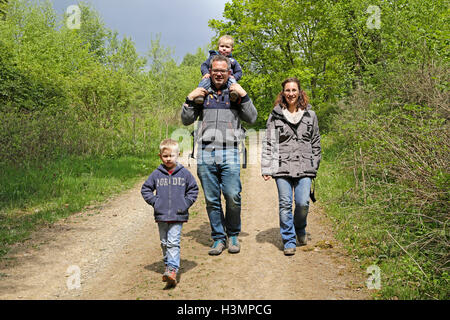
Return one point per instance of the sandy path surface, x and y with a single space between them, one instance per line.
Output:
115 250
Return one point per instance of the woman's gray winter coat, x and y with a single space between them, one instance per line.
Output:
291 149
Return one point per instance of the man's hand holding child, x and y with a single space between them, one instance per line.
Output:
237 87
199 91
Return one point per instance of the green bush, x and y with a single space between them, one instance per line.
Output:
394 154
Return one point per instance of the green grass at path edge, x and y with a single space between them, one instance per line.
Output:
42 194
363 225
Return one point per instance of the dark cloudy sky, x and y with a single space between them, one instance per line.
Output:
183 24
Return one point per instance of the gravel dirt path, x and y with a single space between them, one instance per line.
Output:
115 248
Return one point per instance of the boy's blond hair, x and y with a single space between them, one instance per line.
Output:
168 144
226 38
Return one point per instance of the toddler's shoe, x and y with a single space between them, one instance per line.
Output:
199 100
170 276
234 96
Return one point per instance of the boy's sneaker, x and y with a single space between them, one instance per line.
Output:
233 245
234 96
199 100
170 276
302 240
289 251
217 248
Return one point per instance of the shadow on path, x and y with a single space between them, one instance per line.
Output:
202 235
272 236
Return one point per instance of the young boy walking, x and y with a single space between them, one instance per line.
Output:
225 46
176 191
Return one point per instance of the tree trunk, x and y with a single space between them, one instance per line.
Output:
313 87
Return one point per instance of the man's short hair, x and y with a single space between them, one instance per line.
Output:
169 144
227 38
220 57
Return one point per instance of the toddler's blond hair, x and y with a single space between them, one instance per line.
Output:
227 38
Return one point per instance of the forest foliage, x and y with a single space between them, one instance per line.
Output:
85 91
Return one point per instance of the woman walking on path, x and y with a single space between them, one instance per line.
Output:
291 155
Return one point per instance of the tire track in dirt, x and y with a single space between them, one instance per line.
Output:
117 250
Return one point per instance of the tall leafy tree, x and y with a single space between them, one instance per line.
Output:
283 38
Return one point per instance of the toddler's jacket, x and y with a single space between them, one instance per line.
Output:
236 69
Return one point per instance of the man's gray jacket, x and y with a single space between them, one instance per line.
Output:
219 123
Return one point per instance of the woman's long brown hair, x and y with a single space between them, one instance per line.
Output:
302 101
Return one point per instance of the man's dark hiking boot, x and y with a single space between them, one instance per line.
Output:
234 245
217 248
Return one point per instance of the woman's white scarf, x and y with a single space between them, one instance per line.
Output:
295 117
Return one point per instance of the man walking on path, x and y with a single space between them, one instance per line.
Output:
218 164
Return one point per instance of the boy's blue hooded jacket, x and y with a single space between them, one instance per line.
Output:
175 193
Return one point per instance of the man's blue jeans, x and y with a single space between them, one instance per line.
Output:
293 224
219 172
170 236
